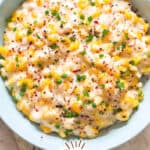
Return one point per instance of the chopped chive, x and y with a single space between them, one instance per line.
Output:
105 32
58 81
82 17
68 132
89 38
16 59
126 36
53 46
92 3
93 105
81 78
56 14
132 62
148 54
64 75
57 126
23 89
86 93
40 64
72 39
29 31
115 111
14 29
37 35
101 55
120 85
123 45
90 18
83 53
46 12
15 99
70 114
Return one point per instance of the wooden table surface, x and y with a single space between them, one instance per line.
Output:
9 141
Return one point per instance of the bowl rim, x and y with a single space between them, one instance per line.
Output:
28 127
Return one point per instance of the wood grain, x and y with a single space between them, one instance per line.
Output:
9 141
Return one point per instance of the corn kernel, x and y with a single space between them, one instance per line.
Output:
45 129
52 38
3 51
74 46
26 81
82 4
76 107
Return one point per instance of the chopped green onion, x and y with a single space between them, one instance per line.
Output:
29 31
57 126
53 46
81 78
89 38
104 33
64 75
83 53
56 14
82 17
148 54
86 93
46 12
23 89
120 85
132 62
58 81
101 55
90 18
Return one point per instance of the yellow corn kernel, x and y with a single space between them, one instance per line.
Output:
55 75
147 39
10 26
138 35
31 117
4 51
98 3
82 4
39 2
47 83
19 35
74 46
52 29
130 102
52 38
66 86
31 38
96 13
106 1
146 26
56 7
45 129
26 81
116 58
62 134
25 110
128 15
10 66
34 15
76 107
146 70
123 115
136 60
77 90
39 43
128 49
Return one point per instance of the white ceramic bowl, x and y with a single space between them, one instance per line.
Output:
113 137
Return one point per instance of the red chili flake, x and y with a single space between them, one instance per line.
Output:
77 70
